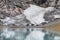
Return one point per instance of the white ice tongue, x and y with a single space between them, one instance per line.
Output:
35 14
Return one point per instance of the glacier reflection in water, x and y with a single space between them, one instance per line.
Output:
26 34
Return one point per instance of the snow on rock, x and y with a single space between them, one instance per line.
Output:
49 9
56 16
35 13
8 21
35 35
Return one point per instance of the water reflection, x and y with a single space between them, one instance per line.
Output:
26 34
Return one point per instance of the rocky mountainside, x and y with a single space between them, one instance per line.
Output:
12 8
15 7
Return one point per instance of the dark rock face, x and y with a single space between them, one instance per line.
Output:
48 3
38 2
